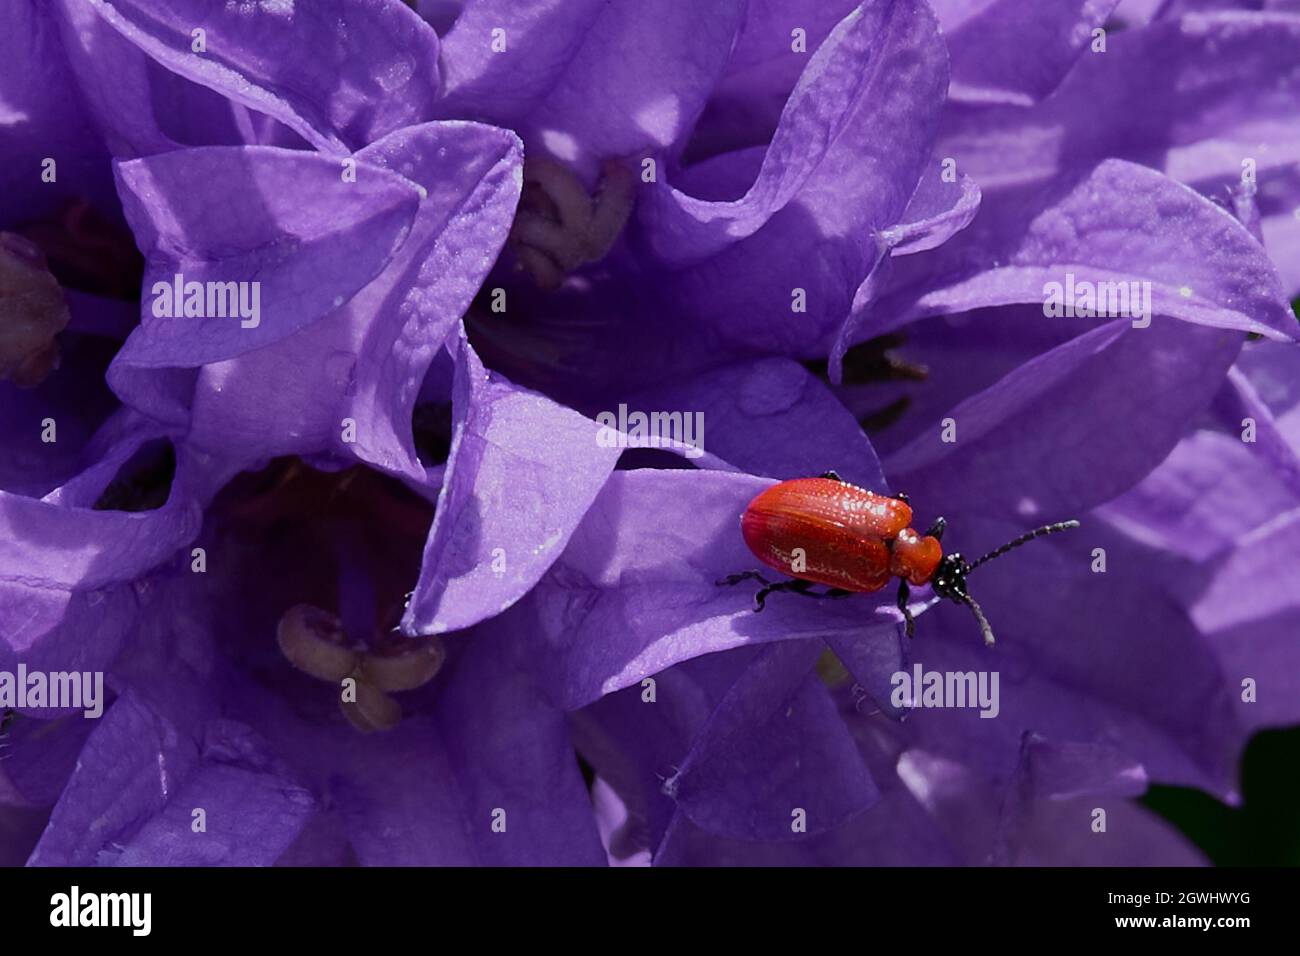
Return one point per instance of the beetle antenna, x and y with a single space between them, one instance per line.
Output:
1023 539
985 628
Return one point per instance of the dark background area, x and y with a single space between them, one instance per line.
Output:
1265 829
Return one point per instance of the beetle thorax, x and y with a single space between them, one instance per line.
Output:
914 557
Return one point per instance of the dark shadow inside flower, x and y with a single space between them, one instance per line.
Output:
20 828
37 755
343 549
874 362
144 482
656 458
629 321
194 115
45 430
69 294
439 14
89 251
431 426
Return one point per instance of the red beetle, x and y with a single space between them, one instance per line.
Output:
827 531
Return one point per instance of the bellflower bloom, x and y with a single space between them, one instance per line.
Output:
314 318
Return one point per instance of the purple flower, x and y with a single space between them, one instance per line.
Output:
212 716
394 274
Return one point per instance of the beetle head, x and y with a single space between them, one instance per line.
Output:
949 579
949 582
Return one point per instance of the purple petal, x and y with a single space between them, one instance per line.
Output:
1201 264
1195 77
937 211
764 67
1005 51
1148 686
220 214
77 399
471 178
1019 825
39 757
614 819
114 79
522 473
1248 584
847 153
341 73
774 745
1207 494
436 790
635 592
771 417
729 742
41 117
896 831
62 546
366 360
132 798
1021 447
588 80
1217 90
1059 833
511 751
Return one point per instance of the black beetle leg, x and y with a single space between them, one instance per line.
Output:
741 576
796 586
936 529
769 587
832 475
904 592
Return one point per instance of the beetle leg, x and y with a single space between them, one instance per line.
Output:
794 586
801 587
832 475
742 576
936 529
797 586
902 496
904 592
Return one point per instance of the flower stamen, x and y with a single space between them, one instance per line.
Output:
559 227
372 710
314 642
402 664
